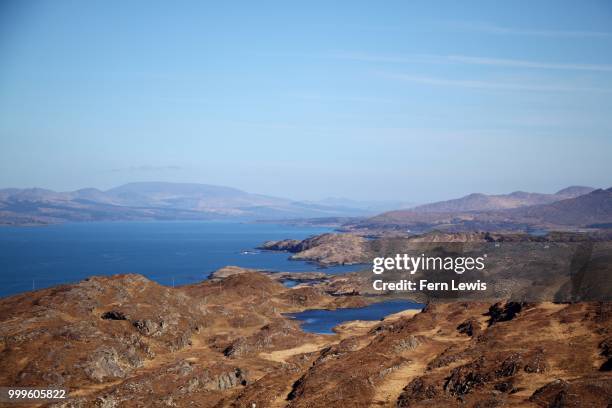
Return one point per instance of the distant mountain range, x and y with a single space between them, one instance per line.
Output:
570 208
483 202
589 210
158 201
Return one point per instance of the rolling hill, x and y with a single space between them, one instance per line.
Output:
155 201
506 212
586 210
483 202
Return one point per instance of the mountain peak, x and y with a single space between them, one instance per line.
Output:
516 199
575 191
144 187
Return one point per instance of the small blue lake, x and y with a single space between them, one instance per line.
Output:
322 321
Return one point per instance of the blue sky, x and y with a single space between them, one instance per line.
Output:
404 100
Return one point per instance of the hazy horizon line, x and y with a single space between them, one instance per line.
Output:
321 198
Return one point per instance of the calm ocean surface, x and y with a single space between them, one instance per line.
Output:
185 252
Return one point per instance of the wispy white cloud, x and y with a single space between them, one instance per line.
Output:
526 63
503 30
464 59
492 85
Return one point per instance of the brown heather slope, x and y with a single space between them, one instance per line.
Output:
454 355
124 341
127 341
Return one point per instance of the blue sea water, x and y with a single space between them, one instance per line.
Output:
166 251
322 321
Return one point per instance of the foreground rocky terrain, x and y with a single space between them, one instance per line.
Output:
125 341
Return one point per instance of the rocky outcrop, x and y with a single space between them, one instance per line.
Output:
471 327
417 390
326 249
106 363
578 393
468 377
224 380
501 312
277 276
289 245
113 315
606 351
280 334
